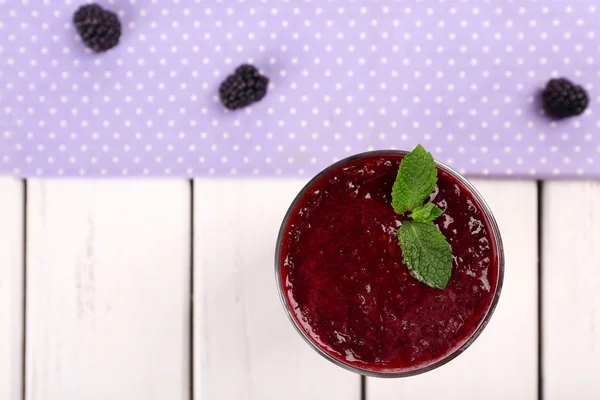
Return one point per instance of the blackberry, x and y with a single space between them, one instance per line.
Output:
244 87
564 99
99 29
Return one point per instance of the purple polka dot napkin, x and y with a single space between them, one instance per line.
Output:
460 77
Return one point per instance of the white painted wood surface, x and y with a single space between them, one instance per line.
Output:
108 269
571 290
245 348
502 363
108 297
11 289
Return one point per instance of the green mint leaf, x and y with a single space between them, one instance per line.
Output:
426 213
416 179
425 250
426 253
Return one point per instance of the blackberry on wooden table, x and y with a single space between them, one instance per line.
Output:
244 87
99 29
563 99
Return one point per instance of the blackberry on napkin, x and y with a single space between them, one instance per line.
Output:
99 29
563 99
244 87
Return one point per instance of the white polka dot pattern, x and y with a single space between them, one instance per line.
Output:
460 77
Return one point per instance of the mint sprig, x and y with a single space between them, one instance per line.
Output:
425 213
416 179
425 250
426 253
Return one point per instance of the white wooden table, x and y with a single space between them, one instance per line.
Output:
128 290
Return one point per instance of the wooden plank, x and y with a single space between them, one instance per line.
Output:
11 288
502 363
244 345
571 290
108 291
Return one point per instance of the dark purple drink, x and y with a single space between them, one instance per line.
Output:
347 288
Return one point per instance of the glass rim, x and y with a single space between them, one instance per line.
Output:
495 232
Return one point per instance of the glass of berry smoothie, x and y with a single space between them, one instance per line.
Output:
344 282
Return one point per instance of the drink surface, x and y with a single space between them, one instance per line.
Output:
348 288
